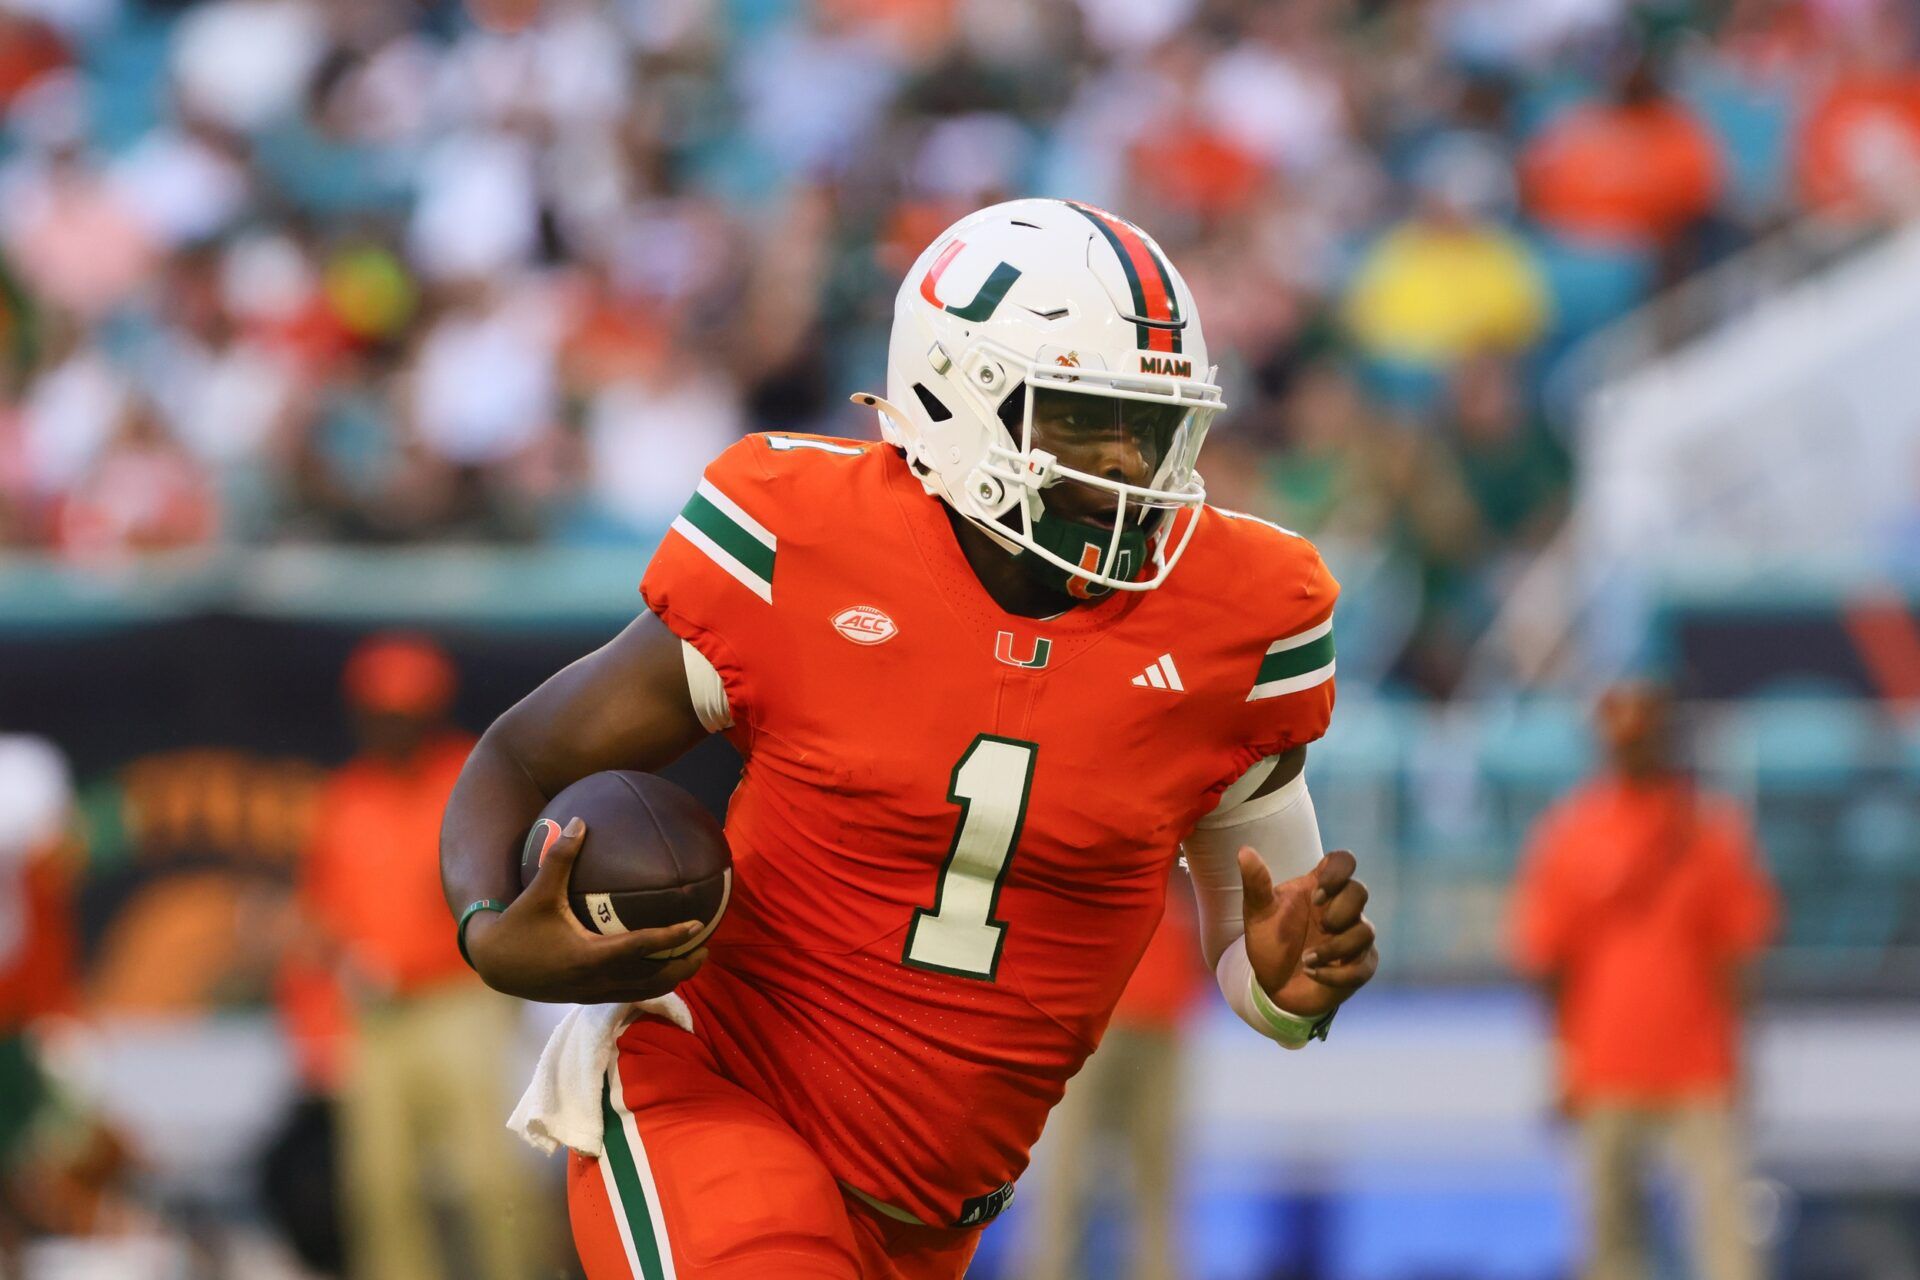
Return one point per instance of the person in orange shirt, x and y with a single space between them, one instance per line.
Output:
1637 171
371 888
1641 907
1858 150
1127 1094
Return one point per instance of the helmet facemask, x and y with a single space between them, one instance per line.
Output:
1117 535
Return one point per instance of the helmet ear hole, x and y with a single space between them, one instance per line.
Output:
935 408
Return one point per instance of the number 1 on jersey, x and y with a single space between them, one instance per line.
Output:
958 934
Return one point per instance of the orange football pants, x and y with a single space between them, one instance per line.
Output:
700 1180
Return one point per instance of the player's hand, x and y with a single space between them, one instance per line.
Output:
538 950
1310 943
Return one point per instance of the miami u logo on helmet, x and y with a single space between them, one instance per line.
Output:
984 302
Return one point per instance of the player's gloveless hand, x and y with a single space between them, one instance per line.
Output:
537 948
1308 938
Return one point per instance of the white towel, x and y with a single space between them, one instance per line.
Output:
561 1107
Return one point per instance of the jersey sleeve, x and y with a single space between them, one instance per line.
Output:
713 579
1289 699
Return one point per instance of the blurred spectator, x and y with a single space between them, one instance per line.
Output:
29 48
1449 281
37 940
74 237
61 1170
1636 170
1859 145
430 1044
1641 907
1328 477
1122 1112
242 63
649 436
484 384
499 272
142 493
1514 469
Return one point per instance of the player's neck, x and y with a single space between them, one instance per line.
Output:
1012 587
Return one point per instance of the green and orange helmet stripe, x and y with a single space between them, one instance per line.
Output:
1154 302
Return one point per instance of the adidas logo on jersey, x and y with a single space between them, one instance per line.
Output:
1161 674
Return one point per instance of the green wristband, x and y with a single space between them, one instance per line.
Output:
473 909
1290 1029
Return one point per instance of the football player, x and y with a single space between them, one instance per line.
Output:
989 676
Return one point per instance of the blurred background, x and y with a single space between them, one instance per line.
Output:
1583 336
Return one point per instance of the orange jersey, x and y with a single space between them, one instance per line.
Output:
953 832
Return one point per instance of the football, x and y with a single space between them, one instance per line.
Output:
653 856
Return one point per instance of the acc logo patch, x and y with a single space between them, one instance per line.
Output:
864 624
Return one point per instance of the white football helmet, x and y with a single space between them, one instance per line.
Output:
1039 295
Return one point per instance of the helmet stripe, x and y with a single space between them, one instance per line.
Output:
1147 277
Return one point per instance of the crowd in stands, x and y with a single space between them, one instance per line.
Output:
512 271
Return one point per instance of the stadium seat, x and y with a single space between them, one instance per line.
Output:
1536 744
1800 746
1879 832
1369 737
1862 918
1529 755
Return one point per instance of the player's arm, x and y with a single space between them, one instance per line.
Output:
626 705
1282 925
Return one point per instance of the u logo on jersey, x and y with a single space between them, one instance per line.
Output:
1039 649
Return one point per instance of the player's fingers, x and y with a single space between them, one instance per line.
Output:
1344 908
1349 976
657 981
1256 884
1340 948
622 949
1332 874
680 968
553 849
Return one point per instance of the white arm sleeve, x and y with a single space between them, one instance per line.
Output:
1284 828
708 692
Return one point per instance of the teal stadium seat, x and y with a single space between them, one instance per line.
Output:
1369 738
1529 755
1802 759
1880 834
1538 744
1357 773
1803 746
1856 918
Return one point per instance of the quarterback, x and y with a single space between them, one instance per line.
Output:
990 676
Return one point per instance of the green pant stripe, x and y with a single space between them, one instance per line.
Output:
633 1197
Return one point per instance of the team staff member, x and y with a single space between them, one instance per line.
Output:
1127 1097
371 885
1641 908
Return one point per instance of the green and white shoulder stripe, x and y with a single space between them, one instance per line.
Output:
731 538
1295 662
